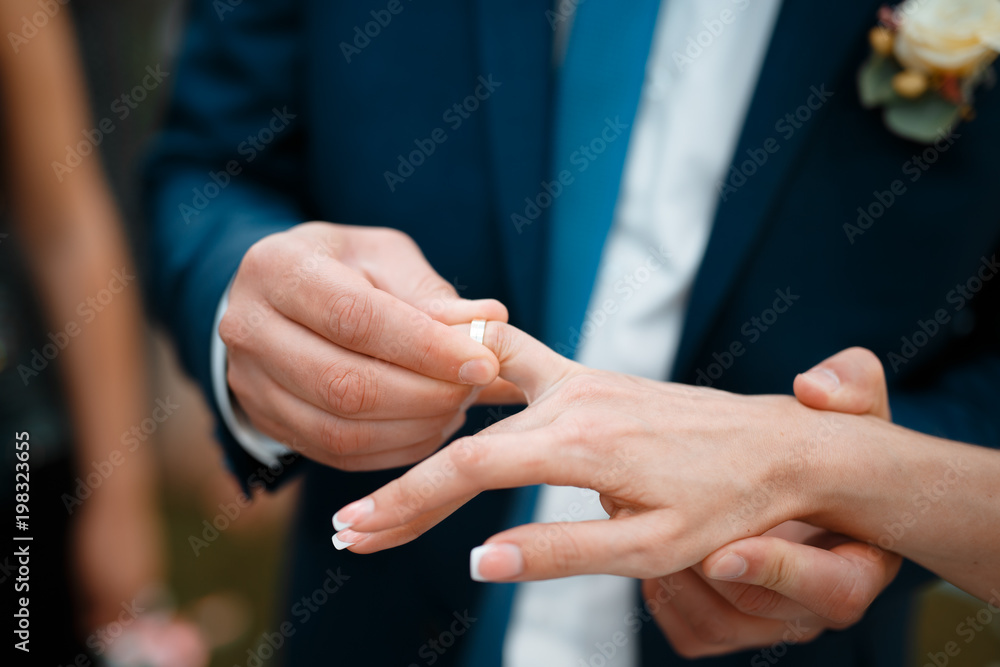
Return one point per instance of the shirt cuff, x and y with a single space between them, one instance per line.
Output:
256 444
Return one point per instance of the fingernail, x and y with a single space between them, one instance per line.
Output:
350 515
347 538
825 378
730 566
477 371
495 562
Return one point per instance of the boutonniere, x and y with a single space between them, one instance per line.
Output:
928 58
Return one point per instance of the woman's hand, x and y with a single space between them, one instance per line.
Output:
795 581
681 471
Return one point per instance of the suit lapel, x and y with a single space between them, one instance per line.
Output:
515 46
807 57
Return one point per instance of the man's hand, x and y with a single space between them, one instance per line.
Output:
339 347
795 581
674 464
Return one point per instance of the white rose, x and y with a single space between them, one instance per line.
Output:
948 36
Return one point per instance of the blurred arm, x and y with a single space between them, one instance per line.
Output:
71 233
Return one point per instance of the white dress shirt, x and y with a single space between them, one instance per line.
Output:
692 107
703 67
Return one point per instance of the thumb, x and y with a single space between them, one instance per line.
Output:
850 381
836 584
525 361
394 263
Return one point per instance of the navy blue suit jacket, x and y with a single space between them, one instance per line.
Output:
286 111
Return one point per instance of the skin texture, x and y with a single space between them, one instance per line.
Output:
339 347
683 458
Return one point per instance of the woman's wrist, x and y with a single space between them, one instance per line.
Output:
849 484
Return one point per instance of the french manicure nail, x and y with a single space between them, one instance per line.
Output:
825 378
730 566
346 538
495 562
476 371
350 515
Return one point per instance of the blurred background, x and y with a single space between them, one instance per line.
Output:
166 528
163 528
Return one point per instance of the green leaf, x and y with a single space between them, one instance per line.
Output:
875 81
925 119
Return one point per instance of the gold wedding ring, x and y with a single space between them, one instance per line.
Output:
478 330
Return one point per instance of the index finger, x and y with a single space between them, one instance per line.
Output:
342 306
460 471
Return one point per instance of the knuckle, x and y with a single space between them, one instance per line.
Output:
869 361
433 285
469 456
777 576
391 236
257 254
581 388
345 389
352 318
421 350
591 426
232 330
